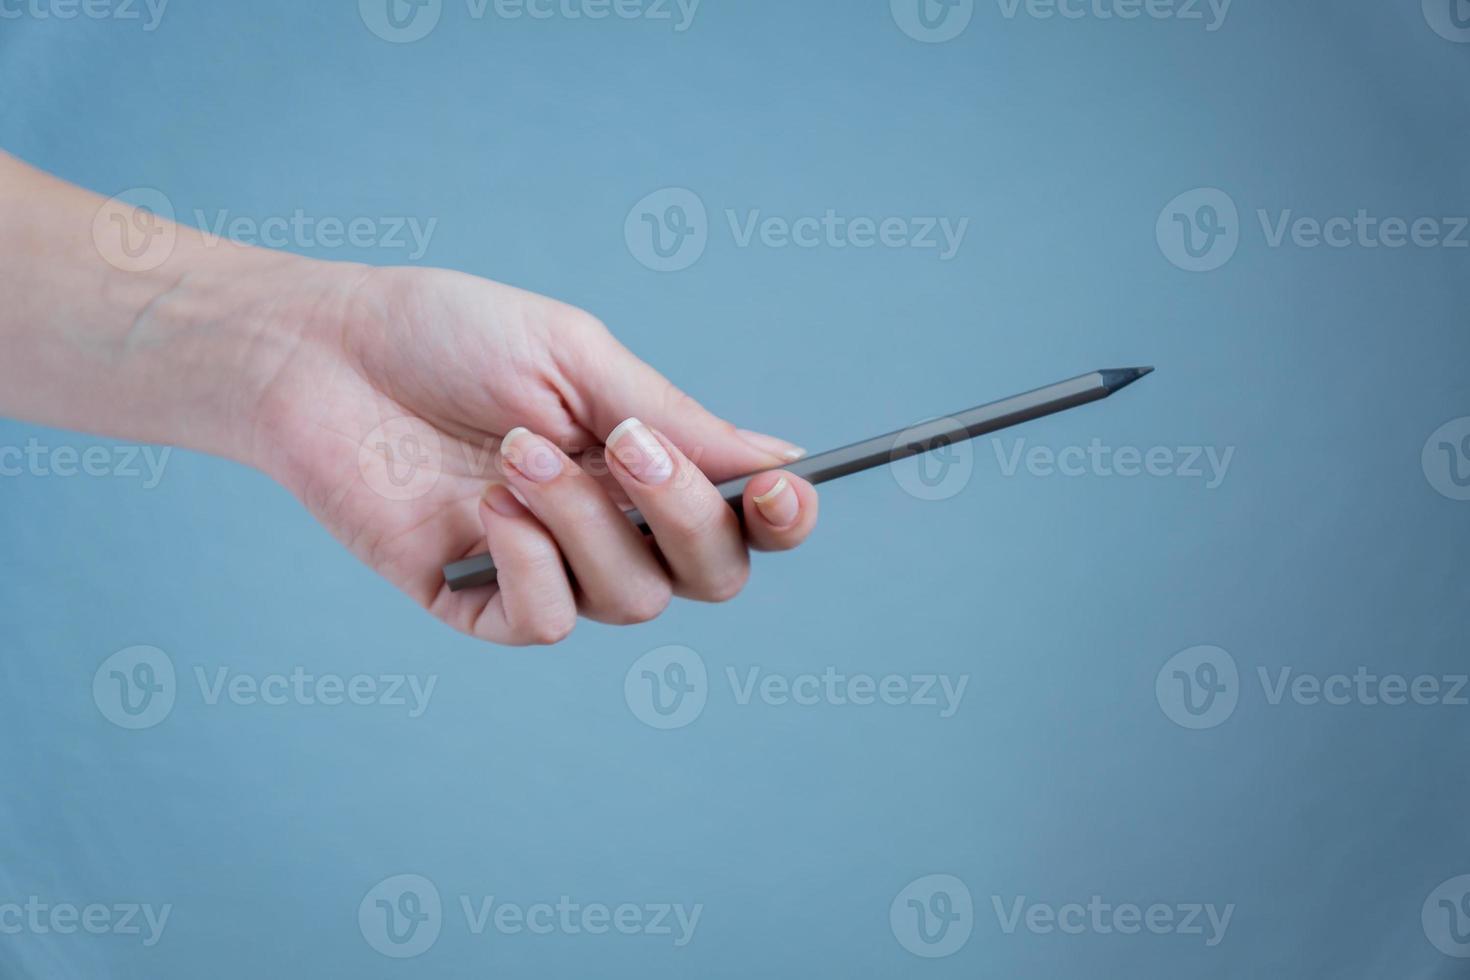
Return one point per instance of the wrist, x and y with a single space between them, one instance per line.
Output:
238 322
117 322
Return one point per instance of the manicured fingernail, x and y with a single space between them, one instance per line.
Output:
640 451
532 456
505 501
779 505
779 448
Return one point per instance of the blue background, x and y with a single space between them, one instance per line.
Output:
529 777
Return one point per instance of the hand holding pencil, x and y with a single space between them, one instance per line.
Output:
290 365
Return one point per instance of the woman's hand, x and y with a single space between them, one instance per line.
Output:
424 416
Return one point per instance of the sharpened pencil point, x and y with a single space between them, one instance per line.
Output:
1116 379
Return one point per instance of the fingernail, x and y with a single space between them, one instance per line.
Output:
779 448
779 505
532 456
505 501
640 451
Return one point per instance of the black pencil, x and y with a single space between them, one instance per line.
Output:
480 569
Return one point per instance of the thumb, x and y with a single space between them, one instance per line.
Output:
616 385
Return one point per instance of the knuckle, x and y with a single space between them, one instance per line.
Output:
678 404
582 512
647 603
576 321
698 515
676 401
572 510
539 563
546 630
727 585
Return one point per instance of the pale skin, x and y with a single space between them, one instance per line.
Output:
298 367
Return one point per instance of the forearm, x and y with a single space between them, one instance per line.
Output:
158 342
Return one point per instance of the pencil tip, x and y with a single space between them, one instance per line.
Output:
1115 379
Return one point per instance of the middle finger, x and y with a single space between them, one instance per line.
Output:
697 532
620 578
